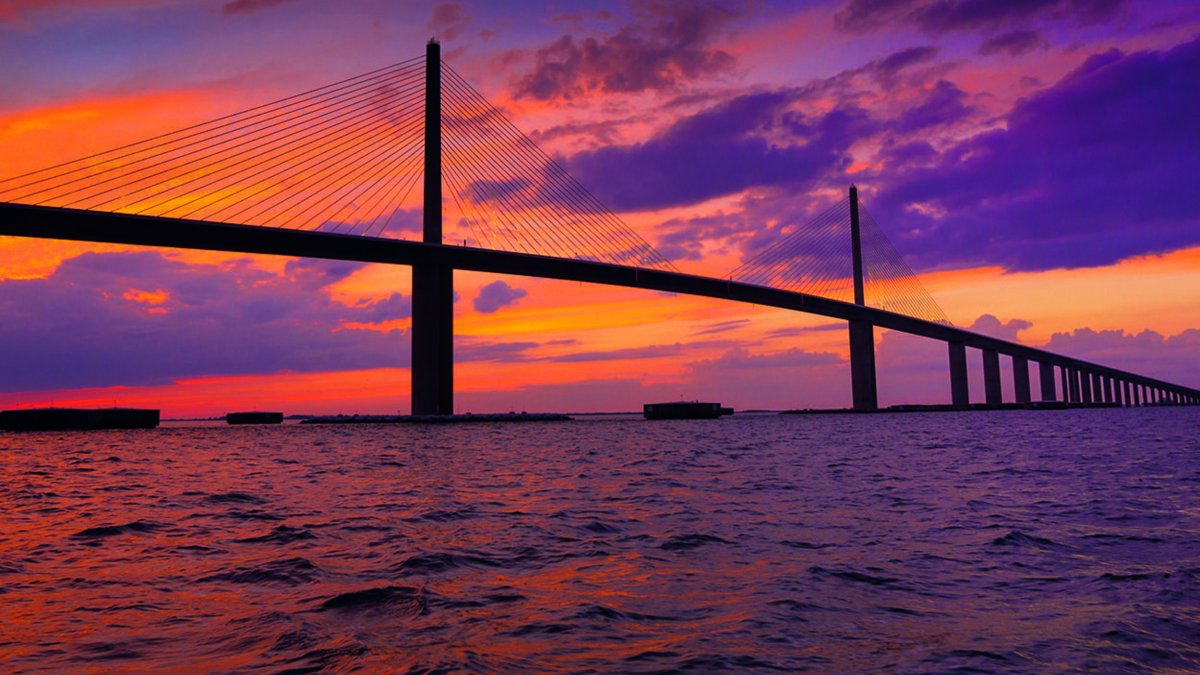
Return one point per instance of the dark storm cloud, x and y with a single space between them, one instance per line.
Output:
1099 167
943 16
140 318
670 43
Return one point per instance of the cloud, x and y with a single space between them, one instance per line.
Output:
944 104
670 44
1013 43
988 324
470 348
449 20
754 139
249 6
739 358
1170 358
887 70
1093 169
496 295
944 16
140 318
14 10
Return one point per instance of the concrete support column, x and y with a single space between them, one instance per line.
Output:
1085 387
991 377
1109 393
1021 391
1128 391
1065 377
862 366
433 285
960 396
1046 377
1097 388
1139 395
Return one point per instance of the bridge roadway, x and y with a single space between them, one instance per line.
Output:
20 220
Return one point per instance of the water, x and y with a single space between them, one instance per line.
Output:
1004 541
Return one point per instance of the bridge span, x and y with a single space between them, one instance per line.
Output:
1085 382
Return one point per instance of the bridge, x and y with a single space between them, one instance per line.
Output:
300 161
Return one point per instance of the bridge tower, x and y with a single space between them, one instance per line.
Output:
433 284
862 333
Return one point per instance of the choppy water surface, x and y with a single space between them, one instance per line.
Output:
1010 541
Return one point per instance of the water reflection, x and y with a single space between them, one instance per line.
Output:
997 541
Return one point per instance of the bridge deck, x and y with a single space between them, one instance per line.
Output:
21 220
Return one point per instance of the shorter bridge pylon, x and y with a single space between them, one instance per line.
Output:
862 333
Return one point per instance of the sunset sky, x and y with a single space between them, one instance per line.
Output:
1035 162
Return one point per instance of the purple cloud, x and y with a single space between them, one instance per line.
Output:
943 16
721 151
887 70
671 43
1094 169
945 104
496 295
248 6
1013 43
449 20
1171 358
141 318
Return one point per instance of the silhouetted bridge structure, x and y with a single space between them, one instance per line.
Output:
166 182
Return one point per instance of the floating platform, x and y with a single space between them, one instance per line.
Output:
63 419
684 410
438 419
254 417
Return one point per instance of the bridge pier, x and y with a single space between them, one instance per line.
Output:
991 377
960 395
1085 387
433 285
1046 380
1127 392
862 365
1021 391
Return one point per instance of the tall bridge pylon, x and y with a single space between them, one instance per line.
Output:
433 284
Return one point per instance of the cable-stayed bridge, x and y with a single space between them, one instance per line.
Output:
323 174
